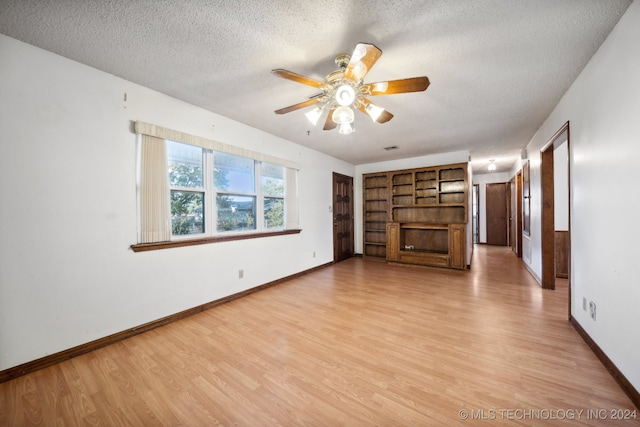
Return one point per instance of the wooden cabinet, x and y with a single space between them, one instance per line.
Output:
457 246
376 210
437 245
393 236
402 188
426 187
432 195
425 215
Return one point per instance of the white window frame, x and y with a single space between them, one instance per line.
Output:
255 195
271 196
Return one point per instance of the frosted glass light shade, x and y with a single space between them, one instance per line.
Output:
343 115
345 129
314 115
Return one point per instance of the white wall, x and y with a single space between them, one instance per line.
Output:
68 210
561 188
482 180
602 106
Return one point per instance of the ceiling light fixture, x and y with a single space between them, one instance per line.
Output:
343 90
345 95
374 111
314 115
492 166
343 116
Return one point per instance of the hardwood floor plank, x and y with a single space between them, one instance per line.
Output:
358 343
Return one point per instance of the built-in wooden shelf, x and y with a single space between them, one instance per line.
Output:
424 207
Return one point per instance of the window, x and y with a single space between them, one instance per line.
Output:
192 190
232 185
187 191
273 184
235 183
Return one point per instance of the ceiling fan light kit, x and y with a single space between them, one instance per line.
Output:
343 116
343 90
314 115
374 111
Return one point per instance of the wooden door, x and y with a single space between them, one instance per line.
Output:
342 217
496 217
512 213
562 254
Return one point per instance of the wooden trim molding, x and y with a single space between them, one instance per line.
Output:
547 220
142 247
624 383
52 359
547 206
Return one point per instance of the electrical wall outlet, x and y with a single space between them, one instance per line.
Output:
314 254
584 304
240 274
592 310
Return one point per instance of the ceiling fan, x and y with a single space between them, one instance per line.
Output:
343 90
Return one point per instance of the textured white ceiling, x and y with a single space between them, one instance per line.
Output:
497 67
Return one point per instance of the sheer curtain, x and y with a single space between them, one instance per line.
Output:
291 199
155 220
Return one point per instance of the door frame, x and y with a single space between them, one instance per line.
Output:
518 213
548 209
475 213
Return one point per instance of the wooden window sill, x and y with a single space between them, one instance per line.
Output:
142 247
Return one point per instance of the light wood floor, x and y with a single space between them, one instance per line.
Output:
359 343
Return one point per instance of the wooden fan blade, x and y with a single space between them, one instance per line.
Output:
363 58
290 75
368 108
329 123
413 84
298 106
